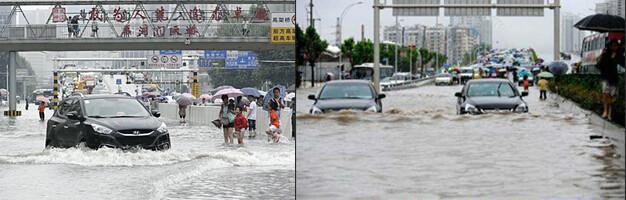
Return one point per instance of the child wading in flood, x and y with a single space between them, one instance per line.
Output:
42 108
240 123
273 131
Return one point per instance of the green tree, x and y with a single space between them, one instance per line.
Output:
347 49
299 45
363 52
312 47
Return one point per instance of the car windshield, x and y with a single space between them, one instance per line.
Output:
346 91
467 71
114 107
490 89
444 75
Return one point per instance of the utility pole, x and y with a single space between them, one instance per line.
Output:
376 77
312 20
557 29
396 50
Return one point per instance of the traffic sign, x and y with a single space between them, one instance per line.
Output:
166 59
467 11
118 81
171 52
215 54
416 11
240 60
520 11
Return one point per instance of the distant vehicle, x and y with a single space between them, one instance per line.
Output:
592 48
365 71
139 78
490 95
347 95
396 78
106 121
467 73
39 92
443 79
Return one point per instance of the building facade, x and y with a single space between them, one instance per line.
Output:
412 35
480 25
612 7
571 37
436 39
461 41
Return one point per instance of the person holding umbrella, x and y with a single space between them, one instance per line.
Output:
607 65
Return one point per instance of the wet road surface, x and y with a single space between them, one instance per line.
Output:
197 167
420 149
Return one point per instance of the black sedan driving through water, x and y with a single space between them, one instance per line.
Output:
490 95
106 121
347 95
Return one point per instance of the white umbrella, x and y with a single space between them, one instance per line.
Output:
185 99
230 92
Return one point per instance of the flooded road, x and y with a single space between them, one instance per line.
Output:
197 167
420 149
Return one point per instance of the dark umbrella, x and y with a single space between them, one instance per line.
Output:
558 67
248 91
601 23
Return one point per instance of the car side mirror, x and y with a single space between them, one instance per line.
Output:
458 94
73 115
524 93
381 96
156 113
311 97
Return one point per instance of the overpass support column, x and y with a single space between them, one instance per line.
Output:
12 112
55 90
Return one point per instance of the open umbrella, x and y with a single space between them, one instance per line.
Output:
558 67
150 94
42 98
4 92
248 91
545 75
205 97
601 23
185 99
217 89
270 95
230 92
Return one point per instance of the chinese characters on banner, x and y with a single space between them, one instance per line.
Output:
160 22
58 14
283 28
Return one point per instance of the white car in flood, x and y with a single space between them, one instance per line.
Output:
443 79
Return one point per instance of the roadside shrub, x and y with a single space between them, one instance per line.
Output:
586 91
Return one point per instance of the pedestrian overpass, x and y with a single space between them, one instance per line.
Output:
113 25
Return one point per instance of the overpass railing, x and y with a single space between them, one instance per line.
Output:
135 31
407 84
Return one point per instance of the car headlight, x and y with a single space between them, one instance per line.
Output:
521 108
162 128
372 109
101 129
471 108
316 110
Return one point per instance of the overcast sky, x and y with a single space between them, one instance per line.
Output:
519 32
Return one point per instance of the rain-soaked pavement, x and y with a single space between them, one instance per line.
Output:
197 167
420 149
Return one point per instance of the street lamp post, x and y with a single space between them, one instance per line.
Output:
339 26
